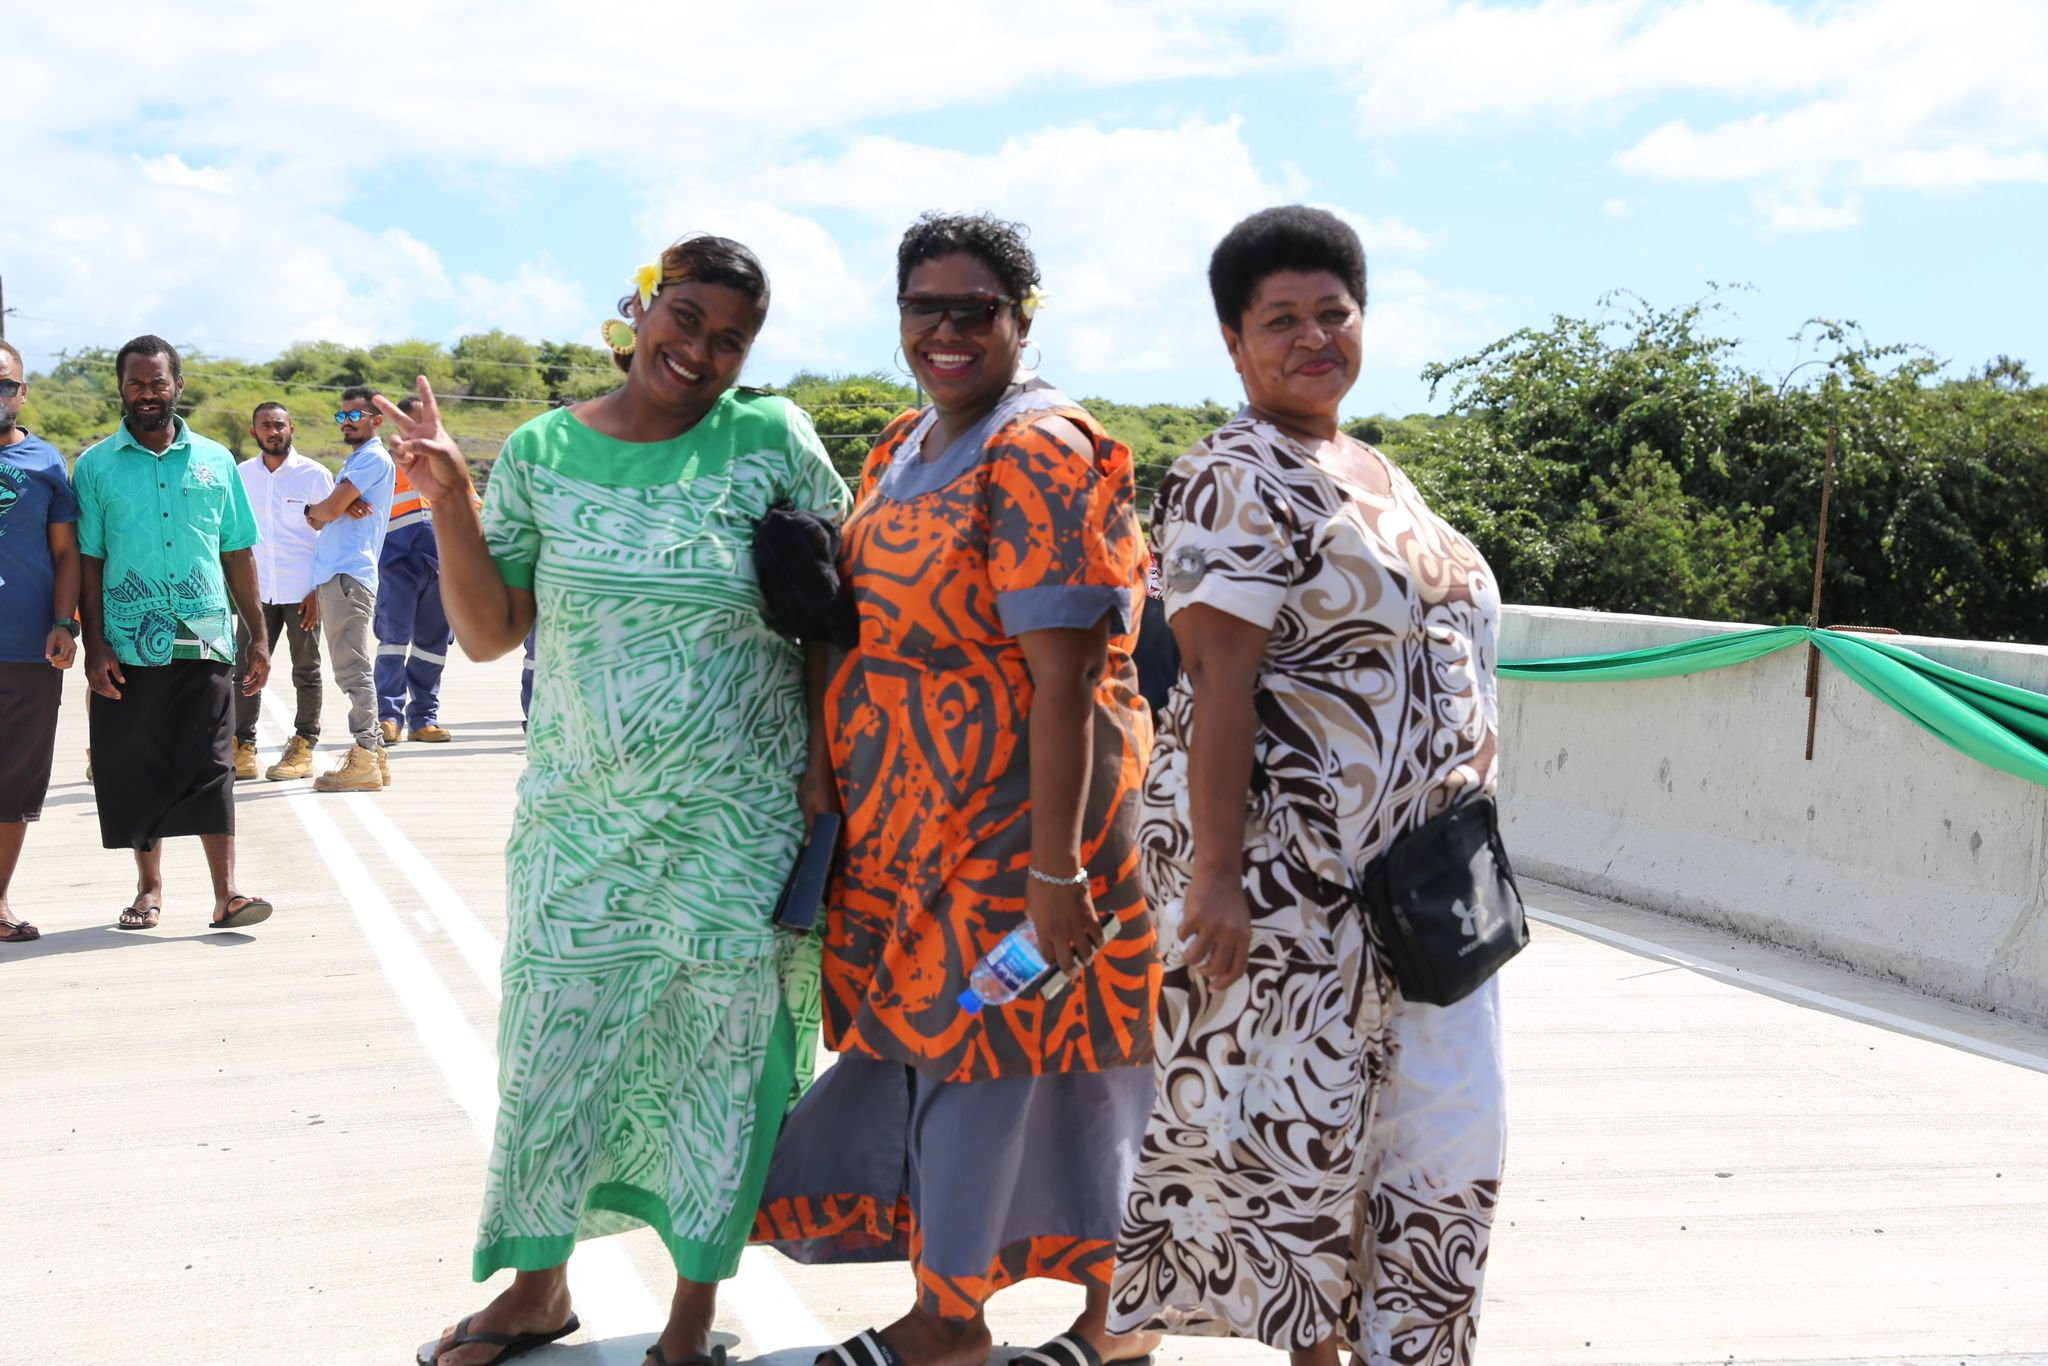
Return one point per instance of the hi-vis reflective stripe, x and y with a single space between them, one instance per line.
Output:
401 651
417 515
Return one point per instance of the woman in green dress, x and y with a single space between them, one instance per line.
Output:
655 1027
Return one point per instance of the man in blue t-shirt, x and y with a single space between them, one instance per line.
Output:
38 622
345 580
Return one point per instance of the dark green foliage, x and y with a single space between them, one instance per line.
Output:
1628 463
849 412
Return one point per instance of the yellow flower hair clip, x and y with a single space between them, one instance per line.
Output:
647 280
1034 301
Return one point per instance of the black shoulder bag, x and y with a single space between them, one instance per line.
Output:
1445 903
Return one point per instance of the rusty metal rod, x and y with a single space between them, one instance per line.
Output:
1820 553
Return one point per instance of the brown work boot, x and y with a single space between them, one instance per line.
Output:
390 729
358 771
430 734
296 763
384 768
245 759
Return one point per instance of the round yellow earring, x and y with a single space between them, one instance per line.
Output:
618 335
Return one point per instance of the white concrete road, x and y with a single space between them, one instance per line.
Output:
267 1147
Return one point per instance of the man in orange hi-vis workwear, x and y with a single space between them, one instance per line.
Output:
413 634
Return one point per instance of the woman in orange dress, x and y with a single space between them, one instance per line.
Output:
989 743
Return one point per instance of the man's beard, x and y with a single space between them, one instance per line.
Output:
146 422
283 447
7 424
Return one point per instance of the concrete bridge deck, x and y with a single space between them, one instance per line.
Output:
268 1146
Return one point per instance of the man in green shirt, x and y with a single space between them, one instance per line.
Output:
165 530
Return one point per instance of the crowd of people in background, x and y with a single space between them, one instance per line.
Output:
176 570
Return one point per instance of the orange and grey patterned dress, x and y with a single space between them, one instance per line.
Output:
1034 1109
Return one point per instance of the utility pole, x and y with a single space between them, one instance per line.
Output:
3 309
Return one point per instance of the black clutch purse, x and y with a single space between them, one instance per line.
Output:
803 891
1445 904
796 559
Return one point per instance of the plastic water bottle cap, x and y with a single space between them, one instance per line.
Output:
971 1002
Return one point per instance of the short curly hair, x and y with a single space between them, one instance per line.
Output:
148 344
1290 237
999 245
714 261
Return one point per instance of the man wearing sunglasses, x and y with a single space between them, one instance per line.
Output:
38 595
345 585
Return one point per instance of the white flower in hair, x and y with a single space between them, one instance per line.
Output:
1033 301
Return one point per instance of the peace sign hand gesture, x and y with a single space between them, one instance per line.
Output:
425 451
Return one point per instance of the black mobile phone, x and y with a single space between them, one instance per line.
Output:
803 891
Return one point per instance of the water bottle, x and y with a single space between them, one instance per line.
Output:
1007 969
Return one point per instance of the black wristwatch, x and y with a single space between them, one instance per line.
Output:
68 624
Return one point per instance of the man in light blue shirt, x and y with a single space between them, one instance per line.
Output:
345 580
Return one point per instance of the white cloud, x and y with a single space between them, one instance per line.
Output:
641 83
170 169
535 301
1122 222
1412 321
1804 211
1878 94
227 263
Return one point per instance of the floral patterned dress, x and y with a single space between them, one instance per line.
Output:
1323 1156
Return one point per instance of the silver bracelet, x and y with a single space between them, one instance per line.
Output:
1080 879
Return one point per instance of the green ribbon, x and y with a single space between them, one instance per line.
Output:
1994 723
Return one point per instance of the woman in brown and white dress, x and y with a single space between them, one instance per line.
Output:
1323 1156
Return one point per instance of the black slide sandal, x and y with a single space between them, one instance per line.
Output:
514 1344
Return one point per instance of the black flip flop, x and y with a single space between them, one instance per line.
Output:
1069 1349
863 1349
151 917
18 932
714 1357
254 910
514 1344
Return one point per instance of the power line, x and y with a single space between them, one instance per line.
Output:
452 361
290 384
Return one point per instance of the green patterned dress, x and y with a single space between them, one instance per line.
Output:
655 1027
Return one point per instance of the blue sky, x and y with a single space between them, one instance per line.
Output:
495 165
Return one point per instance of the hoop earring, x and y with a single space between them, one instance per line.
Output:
902 362
618 334
1032 364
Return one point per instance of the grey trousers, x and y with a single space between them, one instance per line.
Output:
346 609
281 619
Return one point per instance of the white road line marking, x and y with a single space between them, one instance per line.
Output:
775 1317
1773 986
610 1297
478 947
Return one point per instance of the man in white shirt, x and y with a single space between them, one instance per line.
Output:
282 484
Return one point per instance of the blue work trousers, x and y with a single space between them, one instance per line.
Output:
412 630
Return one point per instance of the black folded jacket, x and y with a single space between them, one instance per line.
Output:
796 558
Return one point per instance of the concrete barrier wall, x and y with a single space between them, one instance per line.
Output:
1889 852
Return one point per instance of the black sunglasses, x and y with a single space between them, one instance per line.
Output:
971 313
349 415
10 387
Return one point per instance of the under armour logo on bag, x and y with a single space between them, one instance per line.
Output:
1474 921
